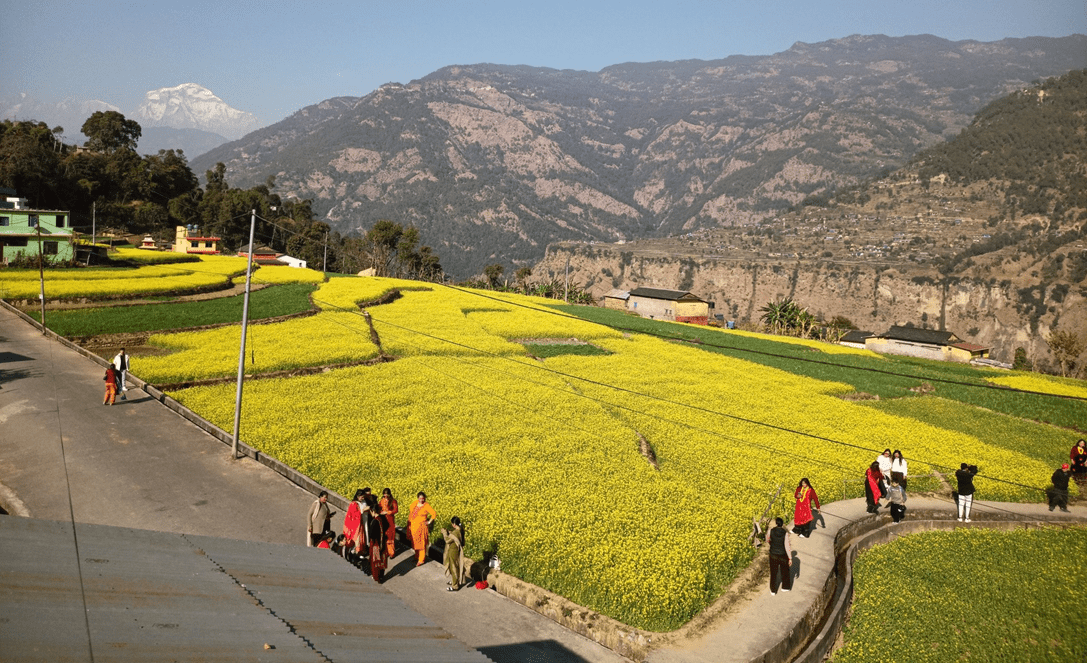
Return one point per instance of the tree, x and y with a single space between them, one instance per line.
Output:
109 131
1066 347
493 273
522 275
1021 362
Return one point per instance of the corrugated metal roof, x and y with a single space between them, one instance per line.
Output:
618 294
154 596
917 335
658 293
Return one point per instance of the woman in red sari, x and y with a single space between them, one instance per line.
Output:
872 493
351 522
388 508
1078 456
803 520
422 514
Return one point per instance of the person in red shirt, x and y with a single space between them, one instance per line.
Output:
803 519
111 385
872 492
1078 455
326 542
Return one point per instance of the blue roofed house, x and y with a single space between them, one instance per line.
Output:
27 231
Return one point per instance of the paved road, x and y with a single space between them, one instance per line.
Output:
64 456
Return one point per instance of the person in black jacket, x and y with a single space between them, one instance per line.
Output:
1058 494
965 477
780 556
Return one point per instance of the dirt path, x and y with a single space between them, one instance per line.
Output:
71 305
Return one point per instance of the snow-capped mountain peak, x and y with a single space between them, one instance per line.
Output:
192 106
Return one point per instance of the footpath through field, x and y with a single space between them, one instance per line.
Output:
64 456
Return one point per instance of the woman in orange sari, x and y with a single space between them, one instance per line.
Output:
422 514
388 508
803 520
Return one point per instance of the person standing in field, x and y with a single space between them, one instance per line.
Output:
419 520
1058 494
872 493
780 556
120 362
454 554
387 509
111 385
897 498
899 469
317 519
1078 456
803 520
965 478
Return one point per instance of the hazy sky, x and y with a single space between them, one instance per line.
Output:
271 58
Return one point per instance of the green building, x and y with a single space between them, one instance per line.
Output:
28 231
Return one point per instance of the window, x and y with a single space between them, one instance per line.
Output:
32 220
5 221
60 220
14 241
50 248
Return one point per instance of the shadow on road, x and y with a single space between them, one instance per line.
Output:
537 650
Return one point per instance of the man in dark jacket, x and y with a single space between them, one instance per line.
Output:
1058 494
780 555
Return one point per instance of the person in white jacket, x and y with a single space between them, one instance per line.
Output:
120 362
899 470
884 460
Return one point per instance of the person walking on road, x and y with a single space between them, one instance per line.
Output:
351 523
803 520
318 518
1058 494
111 385
419 520
965 478
780 556
454 554
387 509
885 461
872 492
373 528
120 362
897 498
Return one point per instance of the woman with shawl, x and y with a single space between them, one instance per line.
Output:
454 555
1078 456
351 521
419 519
803 520
388 508
872 478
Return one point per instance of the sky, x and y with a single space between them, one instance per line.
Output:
271 58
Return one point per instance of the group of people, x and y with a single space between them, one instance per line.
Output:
887 477
116 378
369 533
1076 468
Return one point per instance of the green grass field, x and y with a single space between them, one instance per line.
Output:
970 594
268 302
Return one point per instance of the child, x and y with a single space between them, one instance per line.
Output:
111 385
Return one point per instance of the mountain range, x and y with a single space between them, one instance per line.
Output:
494 162
188 117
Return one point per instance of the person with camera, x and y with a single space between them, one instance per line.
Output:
965 478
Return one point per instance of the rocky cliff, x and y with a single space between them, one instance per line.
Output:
996 314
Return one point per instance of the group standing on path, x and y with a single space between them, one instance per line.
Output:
369 533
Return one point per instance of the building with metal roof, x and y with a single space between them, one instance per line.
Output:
102 593
925 343
673 305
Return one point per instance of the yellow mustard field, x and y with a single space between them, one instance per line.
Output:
541 458
1041 384
112 283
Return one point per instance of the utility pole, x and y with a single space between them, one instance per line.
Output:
324 263
94 227
41 273
241 352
